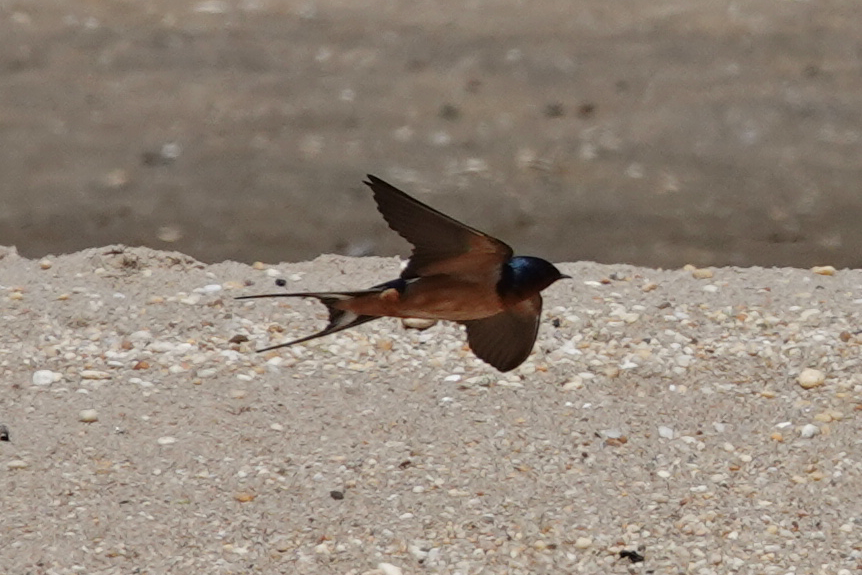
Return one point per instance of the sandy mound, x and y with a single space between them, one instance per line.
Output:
660 413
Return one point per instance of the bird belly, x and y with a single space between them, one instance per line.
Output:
436 297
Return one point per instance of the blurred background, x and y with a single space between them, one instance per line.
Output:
650 132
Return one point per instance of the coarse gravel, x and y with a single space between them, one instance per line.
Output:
704 421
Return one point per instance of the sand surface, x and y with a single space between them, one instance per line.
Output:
661 413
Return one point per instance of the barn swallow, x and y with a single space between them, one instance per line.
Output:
455 273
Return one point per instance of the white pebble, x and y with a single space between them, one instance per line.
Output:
583 542
88 415
212 288
45 377
162 346
417 323
665 432
811 378
141 335
574 383
389 569
17 464
809 430
808 314
95 374
167 440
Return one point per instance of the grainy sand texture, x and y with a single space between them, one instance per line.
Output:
705 421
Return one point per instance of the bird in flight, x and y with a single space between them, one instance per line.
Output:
455 273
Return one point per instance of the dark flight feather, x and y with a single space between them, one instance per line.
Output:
441 245
506 339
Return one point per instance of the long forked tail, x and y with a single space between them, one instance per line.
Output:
339 319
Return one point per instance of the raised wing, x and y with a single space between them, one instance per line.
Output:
441 245
505 340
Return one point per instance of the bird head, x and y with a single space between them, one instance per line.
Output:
527 275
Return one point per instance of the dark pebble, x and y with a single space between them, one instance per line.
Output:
632 556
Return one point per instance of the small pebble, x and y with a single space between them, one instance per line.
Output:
17 464
45 264
573 384
417 323
702 273
665 432
417 551
583 542
167 440
811 378
283 544
823 270
45 377
809 430
95 374
244 496
389 569
88 415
